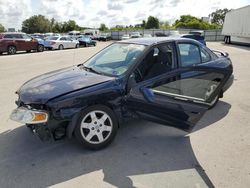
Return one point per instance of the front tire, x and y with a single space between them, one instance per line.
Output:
40 48
96 127
60 47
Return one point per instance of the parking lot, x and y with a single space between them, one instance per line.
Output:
144 154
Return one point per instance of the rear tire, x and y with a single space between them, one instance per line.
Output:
60 47
96 127
11 50
28 51
77 45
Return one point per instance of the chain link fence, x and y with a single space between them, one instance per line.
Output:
210 35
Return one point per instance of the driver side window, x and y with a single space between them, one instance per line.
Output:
159 60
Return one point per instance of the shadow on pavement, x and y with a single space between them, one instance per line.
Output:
140 148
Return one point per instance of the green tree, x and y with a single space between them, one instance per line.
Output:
69 26
36 24
103 27
52 24
119 28
143 25
191 22
164 25
2 29
57 28
152 23
218 16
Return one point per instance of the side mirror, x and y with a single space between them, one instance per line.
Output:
131 81
148 94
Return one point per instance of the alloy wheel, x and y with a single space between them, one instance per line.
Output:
11 50
96 127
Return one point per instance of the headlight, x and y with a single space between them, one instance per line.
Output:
27 116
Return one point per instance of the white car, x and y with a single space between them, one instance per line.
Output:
125 37
60 43
147 36
135 35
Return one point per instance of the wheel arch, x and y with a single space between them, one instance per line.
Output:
72 124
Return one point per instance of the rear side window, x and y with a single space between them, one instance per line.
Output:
17 36
53 38
189 54
26 36
8 36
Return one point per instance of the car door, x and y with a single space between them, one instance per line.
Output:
179 97
29 42
71 42
19 42
64 42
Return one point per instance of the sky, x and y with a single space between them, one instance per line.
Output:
91 13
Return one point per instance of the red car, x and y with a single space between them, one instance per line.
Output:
13 42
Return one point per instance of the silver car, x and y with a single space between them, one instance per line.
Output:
60 42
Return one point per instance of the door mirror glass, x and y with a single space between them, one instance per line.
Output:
148 94
131 81
156 52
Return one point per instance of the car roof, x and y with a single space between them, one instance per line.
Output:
153 40
8 33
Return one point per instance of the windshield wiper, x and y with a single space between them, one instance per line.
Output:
90 69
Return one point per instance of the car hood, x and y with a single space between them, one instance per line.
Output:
41 89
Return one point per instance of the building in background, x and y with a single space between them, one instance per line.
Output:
11 30
205 19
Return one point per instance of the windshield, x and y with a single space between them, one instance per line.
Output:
115 59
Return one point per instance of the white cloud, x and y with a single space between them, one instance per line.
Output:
13 12
119 12
63 10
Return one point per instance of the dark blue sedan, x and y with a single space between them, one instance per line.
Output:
86 41
164 80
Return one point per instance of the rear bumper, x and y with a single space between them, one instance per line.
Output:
228 83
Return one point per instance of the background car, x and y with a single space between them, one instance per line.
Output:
13 42
38 35
135 35
147 36
160 34
173 34
104 37
199 38
41 41
125 37
61 42
86 41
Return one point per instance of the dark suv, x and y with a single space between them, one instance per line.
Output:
13 42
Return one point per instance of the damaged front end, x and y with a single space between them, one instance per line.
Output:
39 120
